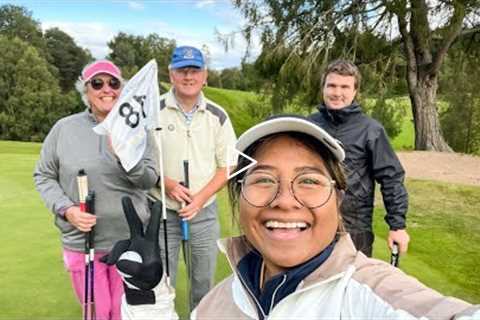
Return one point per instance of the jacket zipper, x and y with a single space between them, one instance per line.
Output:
275 292
330 279
252 296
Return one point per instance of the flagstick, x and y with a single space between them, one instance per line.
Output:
164 206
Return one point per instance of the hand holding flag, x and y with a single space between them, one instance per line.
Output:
135 112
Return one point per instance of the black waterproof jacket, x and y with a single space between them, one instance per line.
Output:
369 159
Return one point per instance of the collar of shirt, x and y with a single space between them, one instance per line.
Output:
281 285
188 114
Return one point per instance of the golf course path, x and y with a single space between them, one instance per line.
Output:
448 167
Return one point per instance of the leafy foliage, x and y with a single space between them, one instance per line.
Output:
131 53
66 56
17 21
390 112
299 37
35 103
461 120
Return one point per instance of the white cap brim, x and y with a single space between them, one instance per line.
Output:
290 124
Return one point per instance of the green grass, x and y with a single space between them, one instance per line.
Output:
406 139
233 101
444 227
34 285
443 223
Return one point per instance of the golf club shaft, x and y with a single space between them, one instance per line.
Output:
90 202
167 265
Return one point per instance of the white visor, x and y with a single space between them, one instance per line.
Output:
290 123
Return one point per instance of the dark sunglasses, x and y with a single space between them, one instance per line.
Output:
97 83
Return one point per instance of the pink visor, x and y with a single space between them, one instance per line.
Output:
101 66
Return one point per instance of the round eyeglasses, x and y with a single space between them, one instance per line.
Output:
311 190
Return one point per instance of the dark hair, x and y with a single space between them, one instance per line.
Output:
343 68
334 167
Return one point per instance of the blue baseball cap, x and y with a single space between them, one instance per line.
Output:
187 56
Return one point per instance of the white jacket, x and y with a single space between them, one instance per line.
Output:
348 285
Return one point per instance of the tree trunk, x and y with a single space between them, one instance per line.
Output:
428 134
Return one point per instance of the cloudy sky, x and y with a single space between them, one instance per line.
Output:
92 23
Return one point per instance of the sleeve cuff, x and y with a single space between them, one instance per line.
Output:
62 210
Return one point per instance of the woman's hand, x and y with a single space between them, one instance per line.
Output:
83 221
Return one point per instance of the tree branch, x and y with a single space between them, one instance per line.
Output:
452 32
409 46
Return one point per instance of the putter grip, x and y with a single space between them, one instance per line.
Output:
395 255
184 223
185 230
90 204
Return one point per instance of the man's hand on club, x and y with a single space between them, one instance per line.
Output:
83 221
138 258
192 208
176 191
401 237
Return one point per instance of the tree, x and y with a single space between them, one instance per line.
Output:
301 33
35 98
66 56
231 78
17 21
12 49
30 98
132 52
459 87
214 79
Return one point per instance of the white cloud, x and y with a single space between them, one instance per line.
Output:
136 5
197 38
91 35
95 36
204 3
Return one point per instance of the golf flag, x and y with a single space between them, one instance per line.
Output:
135 112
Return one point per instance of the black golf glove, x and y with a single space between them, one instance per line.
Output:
138 258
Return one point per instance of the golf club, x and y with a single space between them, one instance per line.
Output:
187 253
82 182
90 246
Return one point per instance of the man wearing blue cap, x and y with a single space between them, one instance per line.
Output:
196 130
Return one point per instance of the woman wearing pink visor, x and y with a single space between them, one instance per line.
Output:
72 146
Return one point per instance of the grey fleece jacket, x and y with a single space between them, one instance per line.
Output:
72 145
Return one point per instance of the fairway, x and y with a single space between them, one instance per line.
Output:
443 222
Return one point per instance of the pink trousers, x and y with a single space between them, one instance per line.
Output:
108 284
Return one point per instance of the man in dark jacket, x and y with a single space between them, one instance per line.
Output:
369 159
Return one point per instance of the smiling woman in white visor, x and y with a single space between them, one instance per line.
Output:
294 259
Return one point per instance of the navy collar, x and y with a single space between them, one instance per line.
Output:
281 285
338 116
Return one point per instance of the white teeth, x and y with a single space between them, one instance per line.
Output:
107 99
285 225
